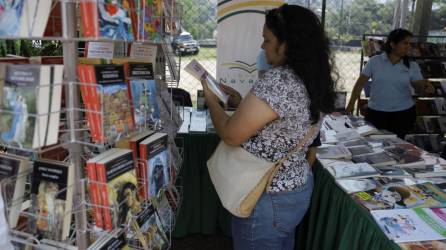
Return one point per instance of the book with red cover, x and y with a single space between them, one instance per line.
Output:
109 99
86 93
134 146
54 25
95 195
118 184
89 18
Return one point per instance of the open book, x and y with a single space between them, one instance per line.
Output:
197 70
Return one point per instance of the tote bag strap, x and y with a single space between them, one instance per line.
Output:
309 134
302 142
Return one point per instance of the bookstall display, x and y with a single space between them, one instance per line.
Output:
430 54
88 157
401 185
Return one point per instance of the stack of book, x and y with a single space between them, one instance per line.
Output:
402 185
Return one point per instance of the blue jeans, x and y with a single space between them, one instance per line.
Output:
273 221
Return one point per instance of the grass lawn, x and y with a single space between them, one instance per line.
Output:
204 54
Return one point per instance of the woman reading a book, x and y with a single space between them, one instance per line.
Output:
274 117
391 106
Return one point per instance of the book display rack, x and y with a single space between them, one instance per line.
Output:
88 158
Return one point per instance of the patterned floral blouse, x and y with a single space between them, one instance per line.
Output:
286 94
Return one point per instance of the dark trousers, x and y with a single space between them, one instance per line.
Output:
399 122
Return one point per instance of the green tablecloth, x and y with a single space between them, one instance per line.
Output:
334 220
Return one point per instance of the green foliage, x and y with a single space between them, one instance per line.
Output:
350 19
199 18
29 48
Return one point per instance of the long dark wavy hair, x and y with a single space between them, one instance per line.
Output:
397 36
307 53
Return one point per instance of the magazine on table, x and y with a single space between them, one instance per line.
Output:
406 225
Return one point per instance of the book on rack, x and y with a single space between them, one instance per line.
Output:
13 174
406 225
428 124
52 198
430 106
333 152
54 25
173 25
432 68
118 188
430 244
428 142
115 240
11 17
393 196
105 96
356 185
439 86
169 104
106 19
173 196
427 171
150 22
141 83
198 71
34 18
374 159
133 144
154 153
94 188
360 170
52 133
165 212
149 230
25 105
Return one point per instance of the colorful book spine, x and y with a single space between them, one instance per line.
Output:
95 194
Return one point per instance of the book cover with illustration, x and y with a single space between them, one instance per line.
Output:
24 118
110 96
10 17
423 245
394 195
158 171
359 170
107 19
407 225
118 188
150 23
141 83
114 19
52 199
149 230
154 153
